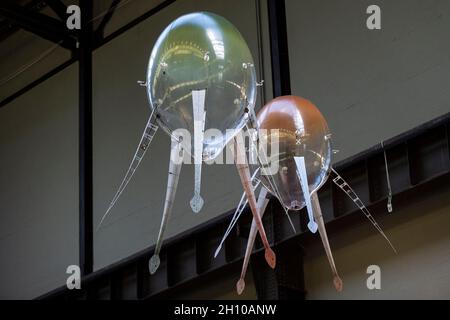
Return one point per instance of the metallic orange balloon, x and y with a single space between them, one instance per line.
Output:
301 131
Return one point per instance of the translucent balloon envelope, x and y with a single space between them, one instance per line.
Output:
201 51
301 131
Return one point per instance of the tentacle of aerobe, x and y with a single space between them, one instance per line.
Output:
344 186
244 174
237 214
262 204
146 139
337 281
199 112
303 177
176 156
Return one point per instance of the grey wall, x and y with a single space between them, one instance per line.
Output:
39 187
370 85
420 270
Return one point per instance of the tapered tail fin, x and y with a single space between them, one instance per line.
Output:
338 283
146 139
176 154
199 112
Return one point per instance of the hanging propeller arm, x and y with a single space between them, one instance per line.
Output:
262 204
175 163
144 144
338 284
199 113
344 186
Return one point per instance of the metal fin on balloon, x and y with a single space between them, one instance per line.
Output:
237 213
343 185
262 204
303 177
176 156
199 112
244 174
146 139
338 284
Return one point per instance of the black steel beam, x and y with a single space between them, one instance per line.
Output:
271 284
97 44
85 139
419 166
59 8
36 82
43 26
281 81
7 28
133 23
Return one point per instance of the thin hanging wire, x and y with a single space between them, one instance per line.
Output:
28 65
344 186
146 139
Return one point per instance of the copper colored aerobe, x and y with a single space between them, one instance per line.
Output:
304 164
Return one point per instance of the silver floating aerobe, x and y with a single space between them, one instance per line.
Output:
173 77
176 157
199 112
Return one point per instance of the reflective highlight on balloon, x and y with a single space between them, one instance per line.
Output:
195 52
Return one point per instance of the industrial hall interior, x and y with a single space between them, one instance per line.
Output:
224 150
